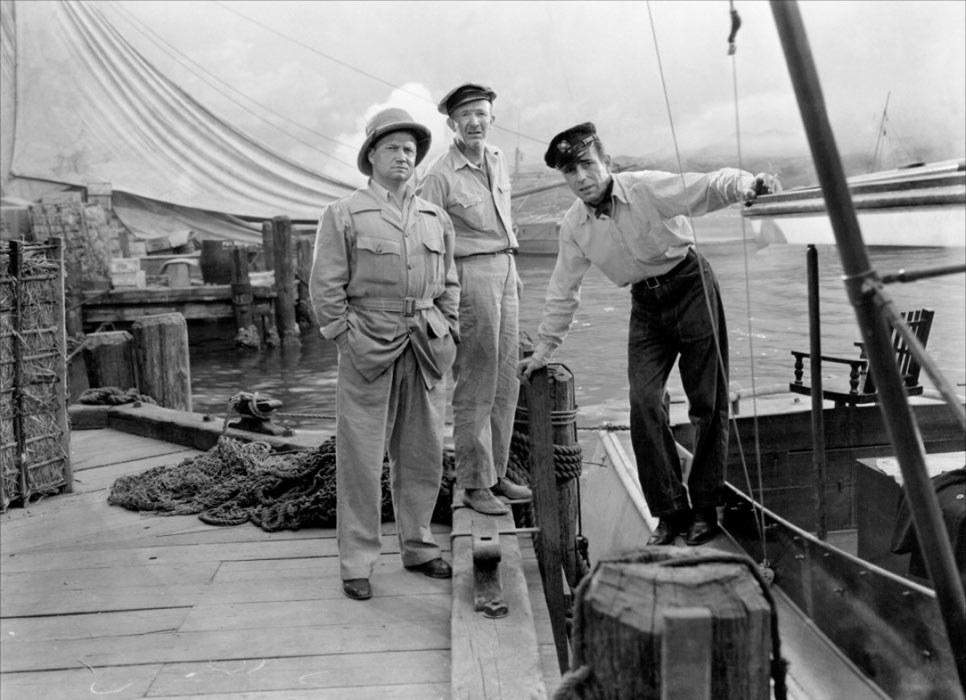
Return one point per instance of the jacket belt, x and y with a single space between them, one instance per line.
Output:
408 306
504 251
652 282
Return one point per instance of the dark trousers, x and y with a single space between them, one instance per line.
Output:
671 321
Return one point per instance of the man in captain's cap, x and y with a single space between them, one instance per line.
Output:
635 227
472 183
384 287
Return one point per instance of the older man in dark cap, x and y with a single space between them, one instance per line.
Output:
472 183
385 289
635 227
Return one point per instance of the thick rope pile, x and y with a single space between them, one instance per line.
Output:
113 396
236 482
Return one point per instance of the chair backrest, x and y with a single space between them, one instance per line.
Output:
920 323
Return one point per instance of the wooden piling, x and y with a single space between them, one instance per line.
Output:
545 504
566 455
109 360
304 313
161 359
246 335
673 622
288 330
268 245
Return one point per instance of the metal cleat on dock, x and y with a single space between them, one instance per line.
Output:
255 414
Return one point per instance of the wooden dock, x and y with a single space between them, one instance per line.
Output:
101 601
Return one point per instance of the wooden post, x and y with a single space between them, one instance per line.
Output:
544 486
818 418
161 359
655 626
288 330
268 245
63 394
109 359
563 414
305 314
246 335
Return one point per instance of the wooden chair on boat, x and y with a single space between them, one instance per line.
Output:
861 384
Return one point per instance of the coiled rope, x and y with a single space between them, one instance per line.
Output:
113 396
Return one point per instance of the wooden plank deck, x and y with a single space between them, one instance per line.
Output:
96 600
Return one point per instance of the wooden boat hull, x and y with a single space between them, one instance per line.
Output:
849 628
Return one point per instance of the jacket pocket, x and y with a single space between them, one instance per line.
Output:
378 261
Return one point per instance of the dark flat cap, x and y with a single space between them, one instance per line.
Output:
460 95
566 146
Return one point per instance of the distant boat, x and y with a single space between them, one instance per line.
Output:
538 236
920 205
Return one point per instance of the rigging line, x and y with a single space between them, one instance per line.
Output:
360 71
704 282
735 24
157 40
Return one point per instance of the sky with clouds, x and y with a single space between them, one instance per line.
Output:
656 77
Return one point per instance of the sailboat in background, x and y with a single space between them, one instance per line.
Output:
929 198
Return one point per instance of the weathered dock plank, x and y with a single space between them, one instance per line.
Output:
98 600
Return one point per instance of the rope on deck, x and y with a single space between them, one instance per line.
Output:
237 482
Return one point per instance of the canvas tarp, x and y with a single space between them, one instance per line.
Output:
86 108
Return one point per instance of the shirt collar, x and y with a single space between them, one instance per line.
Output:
385 196
461 161
617 191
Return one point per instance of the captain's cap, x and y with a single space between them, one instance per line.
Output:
460 95
567 146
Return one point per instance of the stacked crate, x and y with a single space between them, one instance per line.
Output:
34 433
127 273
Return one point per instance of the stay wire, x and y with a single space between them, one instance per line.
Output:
704 282
732 50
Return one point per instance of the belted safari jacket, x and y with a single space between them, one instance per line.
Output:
383 279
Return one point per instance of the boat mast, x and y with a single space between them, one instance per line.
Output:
867 295
878 137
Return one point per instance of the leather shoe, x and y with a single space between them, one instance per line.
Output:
434 568
669 527
664 534
515 492
483 501
357 588
703 528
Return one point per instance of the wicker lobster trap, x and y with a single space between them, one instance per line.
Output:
34 432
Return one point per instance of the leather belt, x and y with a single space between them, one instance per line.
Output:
505 251
654 282
408 306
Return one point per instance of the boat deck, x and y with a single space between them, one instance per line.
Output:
98 600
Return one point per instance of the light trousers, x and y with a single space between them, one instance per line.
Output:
394 412
486 387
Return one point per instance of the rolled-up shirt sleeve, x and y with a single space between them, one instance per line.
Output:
330 273
563 296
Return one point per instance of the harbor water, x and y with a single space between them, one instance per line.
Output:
765 297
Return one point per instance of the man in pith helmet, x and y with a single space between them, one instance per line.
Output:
385 289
